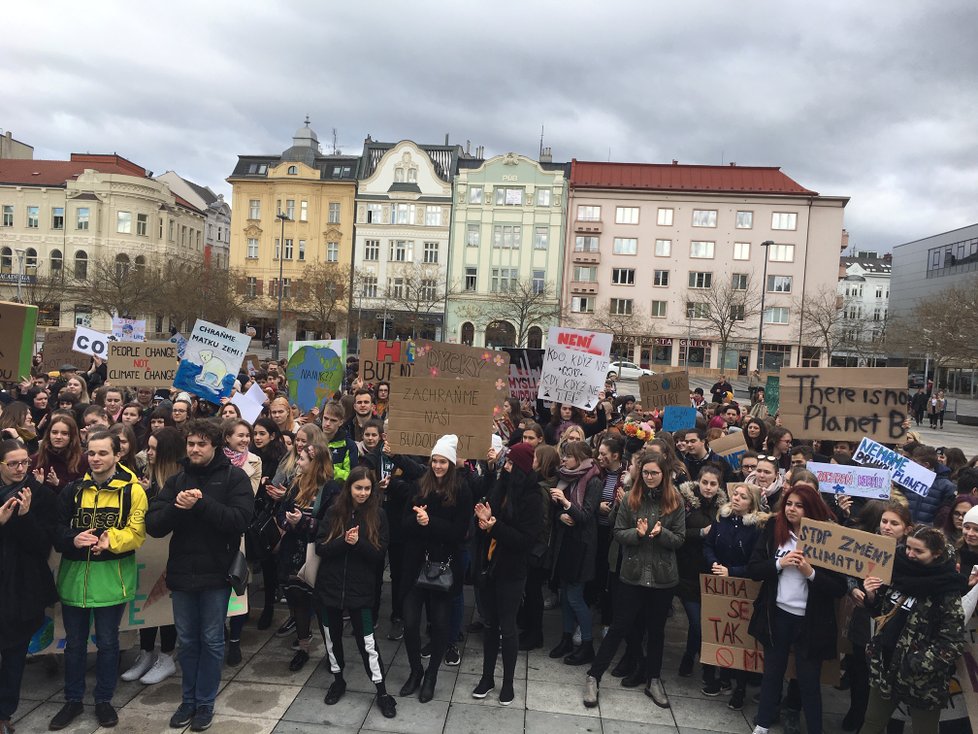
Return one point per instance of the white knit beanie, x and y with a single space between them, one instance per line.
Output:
447 446
971 515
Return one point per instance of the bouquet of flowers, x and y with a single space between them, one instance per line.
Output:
642 431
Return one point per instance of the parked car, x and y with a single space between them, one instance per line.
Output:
916 379
629 370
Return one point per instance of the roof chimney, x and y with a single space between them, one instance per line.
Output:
733 164
675 162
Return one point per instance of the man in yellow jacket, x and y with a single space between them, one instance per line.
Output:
101 523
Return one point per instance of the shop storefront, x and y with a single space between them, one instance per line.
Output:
695 352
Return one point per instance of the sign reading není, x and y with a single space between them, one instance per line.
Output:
574 367
836 403
669 388
142 364
852 552
423 409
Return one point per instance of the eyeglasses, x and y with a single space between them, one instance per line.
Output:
958 514
17 464
651 473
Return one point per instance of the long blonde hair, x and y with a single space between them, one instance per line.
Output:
308 484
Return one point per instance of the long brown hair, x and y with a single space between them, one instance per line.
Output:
72 452
445 488
811 500
368 513
670 501
309 483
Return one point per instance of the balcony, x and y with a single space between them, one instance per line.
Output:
583 288
586 257
587 226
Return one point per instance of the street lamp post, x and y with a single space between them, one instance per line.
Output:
21 252
281 257
760 324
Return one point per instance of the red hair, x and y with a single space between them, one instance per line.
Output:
811 500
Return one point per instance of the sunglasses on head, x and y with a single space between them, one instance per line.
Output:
768 458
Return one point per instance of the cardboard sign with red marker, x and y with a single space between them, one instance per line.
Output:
852 552
574 367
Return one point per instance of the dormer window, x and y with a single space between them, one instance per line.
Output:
293 170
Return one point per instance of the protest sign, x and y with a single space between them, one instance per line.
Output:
525 366
211 361
17 326
855 481
844 403
423 409
252 364
772 394
846 550
91 342
142 364
731 447
658 391
392 360
128 330
906 473
251 402
677 418
574 367
315 373
58 350
337 345
727 604
181 341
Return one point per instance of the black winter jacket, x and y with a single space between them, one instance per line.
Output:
205 537
441 538
518 507
347 577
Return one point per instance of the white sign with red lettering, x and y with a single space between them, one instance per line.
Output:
575 366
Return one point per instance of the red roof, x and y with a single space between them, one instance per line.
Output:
675 177
58 173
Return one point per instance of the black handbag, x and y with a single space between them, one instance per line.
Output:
262 536
436 575
239 573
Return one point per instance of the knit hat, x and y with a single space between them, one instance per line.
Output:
447 446
971 516
521 454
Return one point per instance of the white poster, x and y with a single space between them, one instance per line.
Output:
906 473
250 403
91 342
575 366
128 330
211 361
854 481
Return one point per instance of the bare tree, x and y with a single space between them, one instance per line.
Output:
820 322
320 296
417 290
625 328
118 287
724 310
524 304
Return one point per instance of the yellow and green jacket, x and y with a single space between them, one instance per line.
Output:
116 507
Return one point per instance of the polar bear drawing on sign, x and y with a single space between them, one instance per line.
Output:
213 370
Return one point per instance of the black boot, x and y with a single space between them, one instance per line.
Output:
637 677
565 646
625 666
530 640
582 655
428 687
413 682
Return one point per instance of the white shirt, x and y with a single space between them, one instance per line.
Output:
792 583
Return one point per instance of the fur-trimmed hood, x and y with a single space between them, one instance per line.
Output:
692 498
757 517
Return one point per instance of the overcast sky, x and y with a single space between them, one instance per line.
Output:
873 100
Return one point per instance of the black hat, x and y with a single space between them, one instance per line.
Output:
68 368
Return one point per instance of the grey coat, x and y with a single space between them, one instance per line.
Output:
648 561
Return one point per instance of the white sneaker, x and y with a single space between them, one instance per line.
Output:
551 601
604 631
144 661
577 635
162 669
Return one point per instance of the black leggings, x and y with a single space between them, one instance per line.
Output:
500 603
637 605
533 600
168 638
363 633
439 609
301 606
395 554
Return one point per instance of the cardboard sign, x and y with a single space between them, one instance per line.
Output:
727 604
142 364
658 391
855 481
211 361
846 550
731 447
91 342
58 350
845 403
250 403
128 330
678 417
906 473
17 326
574 367
392 360
525 367
423 409
252 364
315 373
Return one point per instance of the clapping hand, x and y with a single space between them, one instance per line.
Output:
642 526
421 514
483 511
7 510
352 535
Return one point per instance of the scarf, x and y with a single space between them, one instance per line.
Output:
577 480
920 580
238 458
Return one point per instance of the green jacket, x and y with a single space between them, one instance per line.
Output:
117 508
650 561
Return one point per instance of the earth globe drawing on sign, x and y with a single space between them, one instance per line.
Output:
666 383
313 374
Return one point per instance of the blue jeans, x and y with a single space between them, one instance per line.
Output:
575 610
695 635
786 630
199 618
77 621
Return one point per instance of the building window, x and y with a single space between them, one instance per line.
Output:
142 222
290 208
620 306
738 312
429 290
6 260
701 250
8 215
370 286
663 248
503 279
288 249
475 194
252 248
81 265
740 281
468 333
507 235
588 213
473 234
584 274
745 220
471 278
784 220
664 217
659 309
582 304
539 281
254 209
371 250
697 310
781 253
302 249
374 213
543 197
400 251
122 266
404 213
286 287
585 244
332 252
623 276
57 262
541 238
431 252
776 315
660 278
171 228
779 284
626 215
293 170
432 216
183 235
741 251
700 279
704 217
251 287
508 196
303 211
334 213
123 224
33 217
625 246
58 217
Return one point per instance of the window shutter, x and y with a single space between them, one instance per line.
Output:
259 287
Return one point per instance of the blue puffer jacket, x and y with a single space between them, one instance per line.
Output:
923 508
731 539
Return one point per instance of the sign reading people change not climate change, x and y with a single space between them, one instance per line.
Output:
575 367
142 364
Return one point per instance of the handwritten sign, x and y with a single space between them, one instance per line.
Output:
315 373
211 361
17 325
678 418
392 360
731 447
128 330
727 605
252 364
142 364
839 403
906 473
423 409
855 481
181 341
525 367
658 391
91 342
574 367
337 345
852 552
58 349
